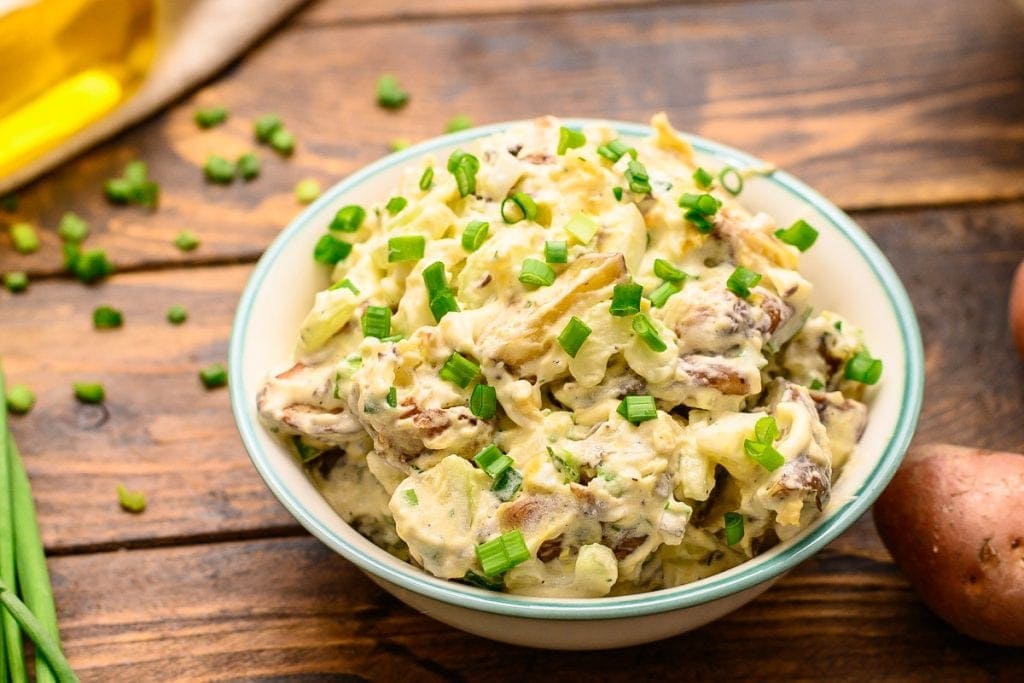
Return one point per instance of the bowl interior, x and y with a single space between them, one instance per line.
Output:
850 276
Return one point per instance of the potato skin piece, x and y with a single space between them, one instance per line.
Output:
953 519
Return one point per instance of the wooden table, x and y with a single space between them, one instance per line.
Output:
909 114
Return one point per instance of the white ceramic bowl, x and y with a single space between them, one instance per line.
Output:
851 276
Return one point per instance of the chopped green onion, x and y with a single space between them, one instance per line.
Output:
507 484
305 452
91 265
517 207
396 204
72 228
637 409
492 460
20 399
731 180
536 273
474 235
406 248
24 238
434 279
484 401
118 190
330 250
392 398
348 219
16 281
666 271
393 339
210 116
500 554
764 454
347 284
662 292
816 385
133 187
106 317
176 315
89 392
186 240
569 139
565 463
9 202
307 190
638 178
390 94
703 179
213 376
376 322
265 126
644 328
741 280
282 141
699 221
131 501
626 299
248 166
573 335
442 304
614 150
219 170
459 370
703 203
458 123
463 167
480 581
556 251
582 227
617 193
427 179
801 235
733 528
398 144
411 498
863 368
766 429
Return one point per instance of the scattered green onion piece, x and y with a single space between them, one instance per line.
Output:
411 498
20 399
463 167
617 193
117 190
817 385
766 429
72 228
406 248
307 190
863 368
133 187
556 251
131 501
213 376
733 528
265 126
536 273
458 123
569 139
392 397
644 328
347 284
434 279
398 144
731 180
666 271
492 460
703 203
376 322
16 281
699 221
492 556
626 299
210 116
24 238
614 150
474 235
282 141
517 207
106 317
573 335
91 265
348 219
186 240
484 401
638 178
219 170
427 179
637 409
662 292
565 463
305 452
442 304
248 166
582 227
459 370
741 280
801 235
89 392
703 179
396 204
507 484
390 94
331 250
176 315
480 581
764 454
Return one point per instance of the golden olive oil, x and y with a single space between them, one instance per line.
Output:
63 65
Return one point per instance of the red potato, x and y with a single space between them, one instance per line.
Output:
1016 309
953 519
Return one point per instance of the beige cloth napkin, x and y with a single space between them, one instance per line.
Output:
196 38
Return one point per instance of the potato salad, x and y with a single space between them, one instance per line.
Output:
557 362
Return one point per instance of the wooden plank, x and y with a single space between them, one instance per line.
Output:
169 437
291 608
332 12
875 103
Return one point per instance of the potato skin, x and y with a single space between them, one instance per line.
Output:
953 519
1016 309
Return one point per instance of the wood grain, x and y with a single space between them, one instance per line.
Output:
291 609
875 103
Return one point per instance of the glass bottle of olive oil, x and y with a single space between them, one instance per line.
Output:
63 65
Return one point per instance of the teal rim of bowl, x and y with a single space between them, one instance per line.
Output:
411 578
